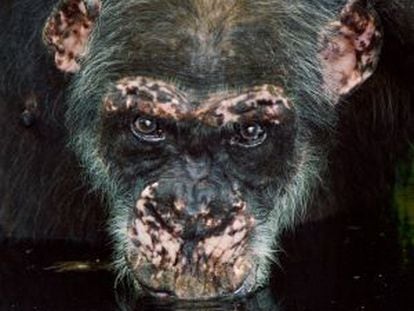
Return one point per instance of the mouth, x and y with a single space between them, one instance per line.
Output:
191 292
193 257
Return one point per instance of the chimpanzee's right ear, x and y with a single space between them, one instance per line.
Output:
67 31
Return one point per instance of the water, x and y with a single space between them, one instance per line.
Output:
343 263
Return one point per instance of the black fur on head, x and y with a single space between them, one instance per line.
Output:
201 48
209 125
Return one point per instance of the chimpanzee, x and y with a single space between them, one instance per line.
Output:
207 127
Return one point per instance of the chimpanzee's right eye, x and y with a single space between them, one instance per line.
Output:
147 129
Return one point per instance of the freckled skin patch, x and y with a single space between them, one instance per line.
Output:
210 265
351 48
151 97
158 99
67 31
262 103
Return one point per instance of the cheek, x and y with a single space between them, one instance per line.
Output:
272 162
127 159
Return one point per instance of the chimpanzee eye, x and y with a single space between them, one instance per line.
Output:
147 129
248 135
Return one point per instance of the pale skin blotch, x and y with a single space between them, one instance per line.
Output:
159 99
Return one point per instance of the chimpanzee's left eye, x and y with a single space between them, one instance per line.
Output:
147 129
248 135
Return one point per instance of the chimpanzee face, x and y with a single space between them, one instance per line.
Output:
202 122
184 159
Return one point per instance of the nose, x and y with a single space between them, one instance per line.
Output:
203 193
197 167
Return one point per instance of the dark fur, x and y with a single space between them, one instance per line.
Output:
43 194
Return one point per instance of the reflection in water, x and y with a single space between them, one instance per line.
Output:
261 301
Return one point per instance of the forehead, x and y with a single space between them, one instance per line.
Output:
201 43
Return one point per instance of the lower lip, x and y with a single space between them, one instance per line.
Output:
246 288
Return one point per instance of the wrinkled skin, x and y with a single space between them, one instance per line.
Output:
209 167
208 125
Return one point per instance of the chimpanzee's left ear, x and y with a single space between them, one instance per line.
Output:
67 31
350 48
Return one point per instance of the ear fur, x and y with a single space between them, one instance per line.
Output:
350 48
67 31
